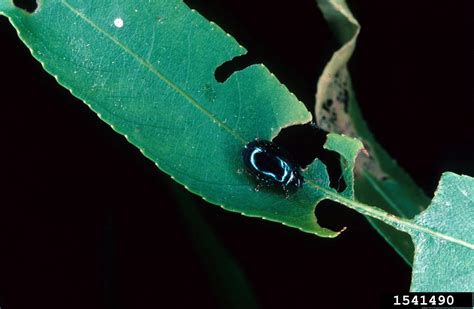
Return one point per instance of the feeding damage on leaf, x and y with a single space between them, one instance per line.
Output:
335 97
333 116
28 5
334 113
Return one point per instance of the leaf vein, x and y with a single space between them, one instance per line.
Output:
155 71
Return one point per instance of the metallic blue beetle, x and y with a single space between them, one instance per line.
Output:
271 166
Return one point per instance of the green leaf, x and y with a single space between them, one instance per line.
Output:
379 180
443 235
147 69
446 264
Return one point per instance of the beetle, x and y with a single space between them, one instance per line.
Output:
271 165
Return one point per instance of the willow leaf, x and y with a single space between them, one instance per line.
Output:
147 69
379 180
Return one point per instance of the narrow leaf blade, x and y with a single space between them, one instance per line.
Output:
380 181
147 69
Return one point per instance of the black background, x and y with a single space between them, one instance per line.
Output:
86 220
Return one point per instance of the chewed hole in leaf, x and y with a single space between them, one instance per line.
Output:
305 144
225 70
332 215
28 5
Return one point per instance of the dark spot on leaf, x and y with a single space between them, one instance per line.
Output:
333 118
343 97
225 70
327 104
28 5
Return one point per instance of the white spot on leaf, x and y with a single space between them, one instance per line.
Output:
118 22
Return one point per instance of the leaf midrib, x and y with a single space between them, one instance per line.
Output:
156 72
398 223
